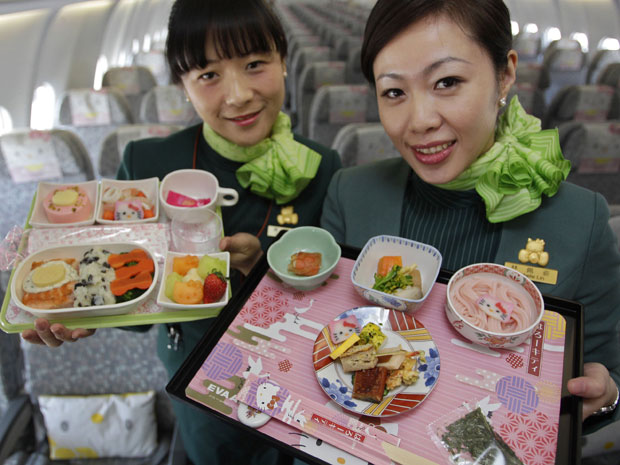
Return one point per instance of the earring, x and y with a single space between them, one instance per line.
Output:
285 74
502 102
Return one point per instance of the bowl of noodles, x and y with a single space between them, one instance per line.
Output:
493 305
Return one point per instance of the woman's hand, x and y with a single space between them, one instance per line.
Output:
245 251
597 388
53 334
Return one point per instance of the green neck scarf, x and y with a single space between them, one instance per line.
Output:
278 167
523 163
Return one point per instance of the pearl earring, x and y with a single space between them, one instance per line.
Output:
285 74
502 102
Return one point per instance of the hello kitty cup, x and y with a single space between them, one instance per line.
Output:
185 193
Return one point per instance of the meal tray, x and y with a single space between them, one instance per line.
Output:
286 353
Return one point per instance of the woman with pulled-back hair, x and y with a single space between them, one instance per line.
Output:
229 57
477 177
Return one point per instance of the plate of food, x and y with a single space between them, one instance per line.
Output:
376 361
128 201
84 280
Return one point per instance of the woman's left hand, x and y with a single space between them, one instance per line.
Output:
244 249
597 388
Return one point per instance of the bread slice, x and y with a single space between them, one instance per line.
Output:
369 384
359 357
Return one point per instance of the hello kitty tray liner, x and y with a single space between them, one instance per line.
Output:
265 354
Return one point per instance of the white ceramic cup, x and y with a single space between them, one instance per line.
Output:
199 234
197 184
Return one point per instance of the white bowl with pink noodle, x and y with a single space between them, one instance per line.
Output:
493 305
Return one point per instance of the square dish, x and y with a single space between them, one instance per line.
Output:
50 284
112 191
165 301
45 192
426 257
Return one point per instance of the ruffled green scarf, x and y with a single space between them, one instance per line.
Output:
523 163
278 167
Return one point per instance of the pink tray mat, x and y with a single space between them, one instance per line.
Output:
527 418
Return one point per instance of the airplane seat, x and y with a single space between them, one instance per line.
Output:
532 99
132 81
610 76
335 106
116 370
353 69
167 105
361 143
92 115
314 76
593 149
155 61
533 74
295 43
114 144
600 60
345 43
588 102
564 60
528 46
305 55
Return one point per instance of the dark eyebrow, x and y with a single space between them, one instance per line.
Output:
428 70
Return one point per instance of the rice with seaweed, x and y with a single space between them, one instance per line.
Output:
95 275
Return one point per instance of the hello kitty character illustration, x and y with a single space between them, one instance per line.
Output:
128 210
341 330
269 397
496 308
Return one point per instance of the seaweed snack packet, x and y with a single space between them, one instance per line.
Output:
467 438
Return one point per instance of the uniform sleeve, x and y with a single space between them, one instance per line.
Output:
332 218
600 295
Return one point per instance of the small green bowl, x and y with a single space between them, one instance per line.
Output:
304 239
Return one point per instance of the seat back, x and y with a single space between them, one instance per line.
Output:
589 102
114 144
27 157
92 115
565 61
528 46
531 98
610 76
315 75
305 55
594 152
155 61
167 105
362 143
353 69
133 82
600 61
335 106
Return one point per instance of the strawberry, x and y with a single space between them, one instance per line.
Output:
214 287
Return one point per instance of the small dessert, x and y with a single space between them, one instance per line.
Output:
196 280
305 263
369 384
68 204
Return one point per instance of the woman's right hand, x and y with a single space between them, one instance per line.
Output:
53 334
244 249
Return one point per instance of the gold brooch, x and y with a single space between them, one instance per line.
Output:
534 252
287 216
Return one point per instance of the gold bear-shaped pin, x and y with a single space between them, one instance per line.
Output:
534 252
287 216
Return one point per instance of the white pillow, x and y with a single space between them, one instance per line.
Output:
97 426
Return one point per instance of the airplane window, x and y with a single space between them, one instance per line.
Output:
6 123
42 108
146 45
608 43
531 28
582 38
515 27
551 34
135 46
100 69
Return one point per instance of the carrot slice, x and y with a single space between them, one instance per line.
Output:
140 281
130 271
120 259
387 262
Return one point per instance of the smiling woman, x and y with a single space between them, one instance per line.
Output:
229 59
476 180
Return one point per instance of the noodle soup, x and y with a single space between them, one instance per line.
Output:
493 305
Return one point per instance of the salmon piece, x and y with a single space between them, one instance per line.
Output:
59 297
305 263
